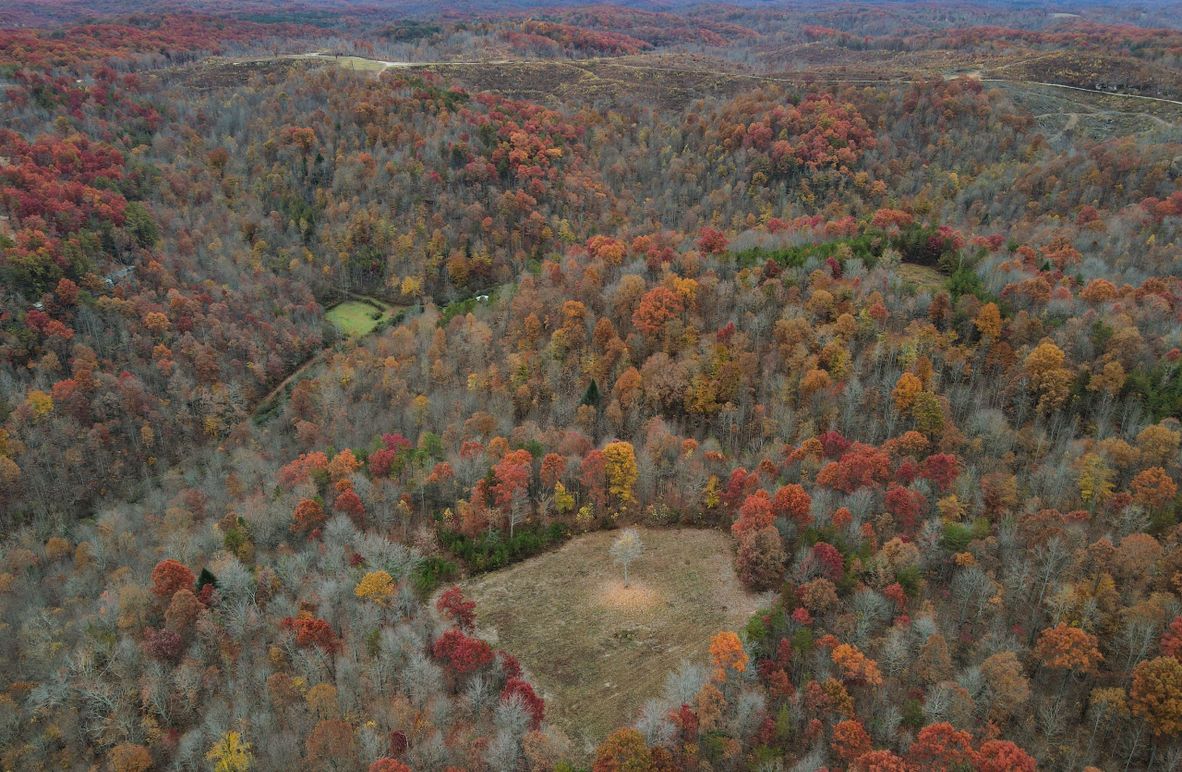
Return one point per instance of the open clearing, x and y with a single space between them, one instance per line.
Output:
921 277
356 317
358 63
599 650
1066 114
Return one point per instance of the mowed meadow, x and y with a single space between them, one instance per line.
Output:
356 318
598 649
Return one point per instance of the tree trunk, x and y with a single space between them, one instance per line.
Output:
1133 752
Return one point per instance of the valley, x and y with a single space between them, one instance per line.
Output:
497 385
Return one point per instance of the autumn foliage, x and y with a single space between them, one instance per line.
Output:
169 576
462 654
908 338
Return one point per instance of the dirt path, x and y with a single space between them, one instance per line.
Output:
381 65
385 65
264 402
292 377
1081 88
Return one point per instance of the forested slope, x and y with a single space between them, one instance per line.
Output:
920 361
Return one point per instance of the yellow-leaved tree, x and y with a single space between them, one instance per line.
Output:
230 754
1051 379
621 471
988 322
376 586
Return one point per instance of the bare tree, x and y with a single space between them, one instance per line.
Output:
627 548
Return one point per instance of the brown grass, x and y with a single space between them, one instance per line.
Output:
921 276
637 598
598 650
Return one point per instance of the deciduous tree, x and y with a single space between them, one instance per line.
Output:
624 750
940 747
726 654
620 468
626 548
1156 694
850 740
169 576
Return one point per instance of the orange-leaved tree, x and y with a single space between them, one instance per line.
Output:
726 653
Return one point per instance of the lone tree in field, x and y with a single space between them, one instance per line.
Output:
626 548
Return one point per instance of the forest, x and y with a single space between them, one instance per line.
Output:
503 386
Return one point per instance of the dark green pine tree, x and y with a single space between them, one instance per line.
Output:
206 577
591 395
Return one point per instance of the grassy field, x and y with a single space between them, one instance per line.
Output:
360 64
598 650
921 276
356 318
